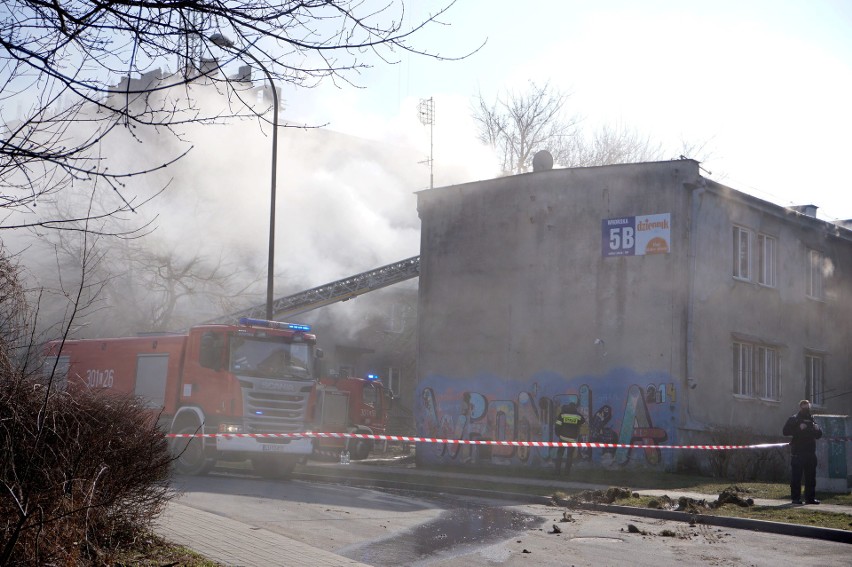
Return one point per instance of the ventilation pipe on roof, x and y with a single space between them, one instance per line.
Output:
542 161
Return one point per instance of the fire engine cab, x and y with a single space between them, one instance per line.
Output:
252 378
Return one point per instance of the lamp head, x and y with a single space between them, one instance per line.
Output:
220 40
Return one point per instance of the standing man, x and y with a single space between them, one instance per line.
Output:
567 428
803 460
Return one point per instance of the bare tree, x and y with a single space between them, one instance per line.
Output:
518 124
69 67
144 285
609 145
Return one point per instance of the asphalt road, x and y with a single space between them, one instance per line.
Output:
387 527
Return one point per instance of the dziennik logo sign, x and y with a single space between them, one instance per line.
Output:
636 236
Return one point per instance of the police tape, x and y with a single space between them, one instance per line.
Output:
498 443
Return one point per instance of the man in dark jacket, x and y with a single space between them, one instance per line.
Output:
567 428
803 460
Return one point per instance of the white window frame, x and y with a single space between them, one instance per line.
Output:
756 371
394 380
768 375
743 369
767 254
815 284
815 378
396 320
741 246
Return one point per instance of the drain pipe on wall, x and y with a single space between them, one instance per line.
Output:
698 189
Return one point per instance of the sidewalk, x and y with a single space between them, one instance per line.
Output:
236 544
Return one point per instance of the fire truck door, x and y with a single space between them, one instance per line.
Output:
151 374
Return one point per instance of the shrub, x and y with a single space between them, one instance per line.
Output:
81 474
744 464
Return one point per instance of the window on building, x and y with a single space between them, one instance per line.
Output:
816 274
396 323
742 253
766 260
768 382
743 369
394 377
814 379
756 371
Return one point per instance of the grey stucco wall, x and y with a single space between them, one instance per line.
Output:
781 316
514 283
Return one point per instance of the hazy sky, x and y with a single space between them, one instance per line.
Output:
768 84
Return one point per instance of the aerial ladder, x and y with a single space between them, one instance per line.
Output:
340 290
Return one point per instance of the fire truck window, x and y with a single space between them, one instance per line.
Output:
210 355
275 364
370 396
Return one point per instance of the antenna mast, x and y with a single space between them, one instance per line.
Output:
426 110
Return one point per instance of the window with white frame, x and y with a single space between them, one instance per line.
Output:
742 253
816 274
396 322
394 377
768 382
814 384
766 260
756 371
743 369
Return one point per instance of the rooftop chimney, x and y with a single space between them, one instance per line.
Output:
807 210
209 66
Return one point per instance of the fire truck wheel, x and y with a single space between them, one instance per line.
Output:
360 450
273 466
189 454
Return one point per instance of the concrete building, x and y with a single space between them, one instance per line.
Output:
670 308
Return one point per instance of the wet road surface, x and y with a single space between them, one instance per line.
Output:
460 529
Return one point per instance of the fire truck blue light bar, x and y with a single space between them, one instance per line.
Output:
250 322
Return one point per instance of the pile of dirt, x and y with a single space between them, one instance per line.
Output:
731 495
607 496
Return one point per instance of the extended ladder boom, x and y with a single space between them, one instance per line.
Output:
341 290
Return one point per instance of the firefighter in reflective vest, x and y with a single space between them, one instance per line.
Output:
567 428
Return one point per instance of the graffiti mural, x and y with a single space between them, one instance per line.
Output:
620 407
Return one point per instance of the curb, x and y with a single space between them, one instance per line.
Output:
402 485
797 530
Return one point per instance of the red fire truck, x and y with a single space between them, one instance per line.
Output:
353 405
255 377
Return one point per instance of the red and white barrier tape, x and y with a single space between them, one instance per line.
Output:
473 441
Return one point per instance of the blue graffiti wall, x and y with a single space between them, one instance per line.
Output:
621 406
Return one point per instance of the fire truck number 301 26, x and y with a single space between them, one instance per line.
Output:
100 378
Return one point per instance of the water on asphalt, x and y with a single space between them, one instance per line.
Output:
463 526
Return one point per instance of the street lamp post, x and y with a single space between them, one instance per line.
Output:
222 41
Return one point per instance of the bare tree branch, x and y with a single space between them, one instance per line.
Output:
68 66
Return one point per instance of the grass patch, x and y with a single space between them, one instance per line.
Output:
801 516
153 551
807 516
